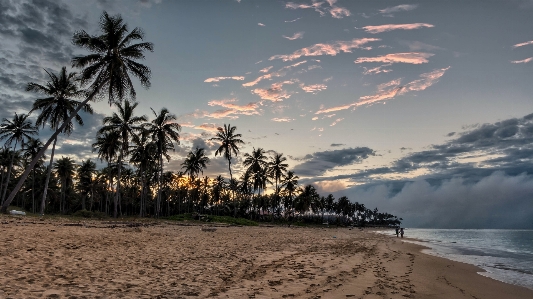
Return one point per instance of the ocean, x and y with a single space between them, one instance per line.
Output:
505 255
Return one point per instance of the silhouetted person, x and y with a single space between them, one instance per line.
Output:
401 232
397 232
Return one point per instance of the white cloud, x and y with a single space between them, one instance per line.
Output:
330 49
261 24
217 79
523 44
297 35
527 60
313 88
410 57
390 27
398 8
283 119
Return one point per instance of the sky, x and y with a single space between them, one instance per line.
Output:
420 108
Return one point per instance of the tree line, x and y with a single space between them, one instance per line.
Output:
135 148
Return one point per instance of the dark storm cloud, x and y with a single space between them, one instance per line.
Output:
337 144
319 162
496 201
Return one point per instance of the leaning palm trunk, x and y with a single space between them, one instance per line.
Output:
33 162
9 173
43 201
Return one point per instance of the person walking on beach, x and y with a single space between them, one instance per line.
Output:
397 231
401 232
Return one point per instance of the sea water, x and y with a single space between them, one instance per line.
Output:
505 255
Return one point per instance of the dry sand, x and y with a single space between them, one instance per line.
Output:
50 259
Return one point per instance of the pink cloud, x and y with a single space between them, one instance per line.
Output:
523 44
389 90
313 88
217 79
427 79
339 12
377 69
410 57
252 83
523 61
331 49
297 35
338 120
398 8
265 70
275 93
335 11
283 119
205 126
390 27
232 110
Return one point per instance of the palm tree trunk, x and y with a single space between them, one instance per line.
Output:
26 172
43 201
158 204
9 173
118 184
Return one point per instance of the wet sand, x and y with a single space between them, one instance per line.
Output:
96 259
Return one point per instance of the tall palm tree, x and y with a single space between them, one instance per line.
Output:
277 168
114 57
255 162
290 185
164 133
18 130
305 199
65 169
126 124
56 108
33 146
229 143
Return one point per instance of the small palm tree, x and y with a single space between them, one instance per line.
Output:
56 108
65 169
18 130
32 149
229 143
86 173
195 163
108 145
164 131
142 155
290 185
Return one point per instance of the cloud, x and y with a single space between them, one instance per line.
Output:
410 57
496 201
419 46
218 79
278 73
427 79
261 24
391 89
231 111
527 60
297 35
283 119
209 127
330 49
336 144
265 70
398 8
313 88
390 27
377 70
275 93
523 44
318 163
335 11
338 120
293 20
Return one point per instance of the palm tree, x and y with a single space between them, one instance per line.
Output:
229 143
33 146
306 198
19 129
195 163
256 161
56 108
164 133
290 184
126 124
142 154
86 172
108 145
65 169
113 58
277 168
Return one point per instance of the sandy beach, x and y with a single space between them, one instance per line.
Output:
102 259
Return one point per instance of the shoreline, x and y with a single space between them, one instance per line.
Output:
87 259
